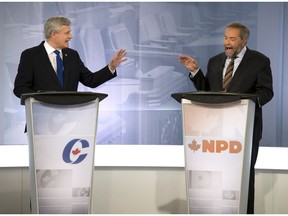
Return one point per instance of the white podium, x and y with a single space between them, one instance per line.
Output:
217 139
61 130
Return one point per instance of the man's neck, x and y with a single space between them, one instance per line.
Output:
52 45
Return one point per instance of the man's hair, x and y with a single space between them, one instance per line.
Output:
54 24
244 31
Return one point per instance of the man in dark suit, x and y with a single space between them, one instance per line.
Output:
37 70
252 75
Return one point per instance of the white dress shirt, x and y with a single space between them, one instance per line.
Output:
236 63
52 55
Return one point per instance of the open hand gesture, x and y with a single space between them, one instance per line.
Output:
189 62
117 59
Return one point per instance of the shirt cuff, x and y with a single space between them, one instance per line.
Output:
111 70
193 73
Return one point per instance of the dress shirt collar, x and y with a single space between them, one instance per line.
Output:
49 49
242 52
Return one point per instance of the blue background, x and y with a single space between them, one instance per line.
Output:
140 109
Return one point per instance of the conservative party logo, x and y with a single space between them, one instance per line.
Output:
215 146
73 151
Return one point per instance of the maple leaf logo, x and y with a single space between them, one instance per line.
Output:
76 151
194 146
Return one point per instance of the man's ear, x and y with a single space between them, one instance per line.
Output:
245 41
53 33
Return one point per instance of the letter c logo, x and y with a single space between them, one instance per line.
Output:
69 148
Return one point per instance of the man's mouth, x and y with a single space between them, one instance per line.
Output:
229 51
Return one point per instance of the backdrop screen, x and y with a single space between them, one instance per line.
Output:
139 108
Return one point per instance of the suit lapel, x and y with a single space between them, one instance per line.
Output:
220 71
66 66
47 64
44 58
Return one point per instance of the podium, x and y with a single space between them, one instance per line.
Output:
217 139
61 129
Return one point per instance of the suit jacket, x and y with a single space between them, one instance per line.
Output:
36 73
253 76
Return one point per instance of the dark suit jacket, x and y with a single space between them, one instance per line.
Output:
35 72
253 76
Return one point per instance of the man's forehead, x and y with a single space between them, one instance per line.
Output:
232 32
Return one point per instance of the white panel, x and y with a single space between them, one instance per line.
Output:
280 182
10 190
264 193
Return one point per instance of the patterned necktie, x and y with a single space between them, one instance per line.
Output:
228 74
59 68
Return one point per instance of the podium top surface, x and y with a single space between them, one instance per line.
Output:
63 98
212 97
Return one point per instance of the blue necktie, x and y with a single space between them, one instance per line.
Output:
59 67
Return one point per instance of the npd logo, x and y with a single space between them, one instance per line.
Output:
215 146
72 152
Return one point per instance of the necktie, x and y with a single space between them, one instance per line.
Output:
228 74
59 68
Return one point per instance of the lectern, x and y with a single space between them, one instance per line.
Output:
61 129
217 139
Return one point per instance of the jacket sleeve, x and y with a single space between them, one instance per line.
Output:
94 79
24 79
200 81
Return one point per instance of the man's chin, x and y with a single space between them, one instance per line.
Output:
66 45
229 53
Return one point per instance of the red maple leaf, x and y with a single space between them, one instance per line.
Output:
194 146
76 151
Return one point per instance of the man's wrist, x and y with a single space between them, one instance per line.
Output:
193 73
111 69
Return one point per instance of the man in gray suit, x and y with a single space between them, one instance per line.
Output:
251 75
37 70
